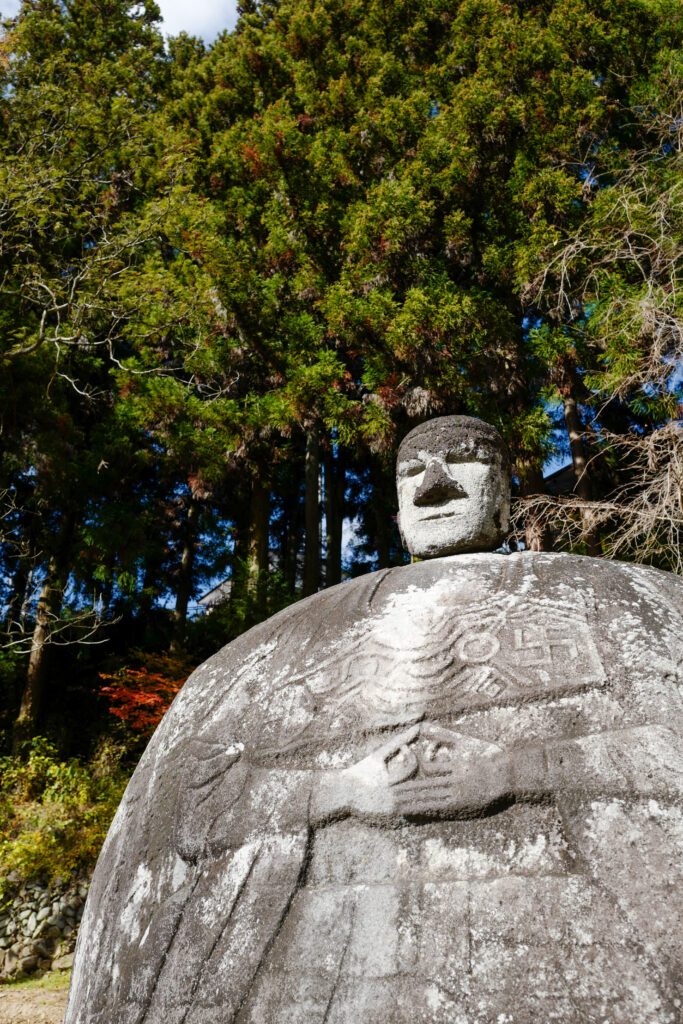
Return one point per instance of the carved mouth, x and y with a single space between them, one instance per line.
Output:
437 515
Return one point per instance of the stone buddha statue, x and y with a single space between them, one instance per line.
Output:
447 792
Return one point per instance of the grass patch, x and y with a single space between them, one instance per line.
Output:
53 981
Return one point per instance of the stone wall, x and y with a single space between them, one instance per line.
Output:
38 925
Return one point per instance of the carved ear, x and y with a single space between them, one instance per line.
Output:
209 786
400 531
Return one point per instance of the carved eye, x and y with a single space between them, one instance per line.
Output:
455 457
412 468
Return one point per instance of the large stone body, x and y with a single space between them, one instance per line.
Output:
216 900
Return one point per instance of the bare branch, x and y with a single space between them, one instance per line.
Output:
642 521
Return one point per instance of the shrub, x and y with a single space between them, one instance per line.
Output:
54 814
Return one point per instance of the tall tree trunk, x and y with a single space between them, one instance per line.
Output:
146 599
18 595
583 483
335 487
257 549
185 577
537 536
312 514
293 540
240 555
383 535
47 612
22 579
575 432
383 504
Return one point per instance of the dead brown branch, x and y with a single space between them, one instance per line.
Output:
642 521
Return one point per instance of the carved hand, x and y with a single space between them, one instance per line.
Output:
402 780
368 788
469 789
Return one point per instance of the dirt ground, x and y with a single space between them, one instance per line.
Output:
32 1005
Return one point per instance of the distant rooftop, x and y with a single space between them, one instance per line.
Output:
562 481
217 595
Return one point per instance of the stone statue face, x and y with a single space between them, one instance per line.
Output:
453 484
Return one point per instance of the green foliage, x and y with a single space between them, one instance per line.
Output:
255 597
336 221
54 814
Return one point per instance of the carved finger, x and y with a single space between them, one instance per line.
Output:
434 784
433 808
425 800
403 766
430 750
392 747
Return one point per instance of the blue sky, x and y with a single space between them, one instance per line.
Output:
203 18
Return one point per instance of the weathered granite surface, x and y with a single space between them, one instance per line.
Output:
448 792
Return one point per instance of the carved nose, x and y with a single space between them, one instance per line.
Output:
437 487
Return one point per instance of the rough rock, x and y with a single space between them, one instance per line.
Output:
445 794
30 930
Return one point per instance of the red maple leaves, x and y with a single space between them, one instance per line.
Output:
141 696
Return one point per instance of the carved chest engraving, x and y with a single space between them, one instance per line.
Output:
496 652
500 651
529 650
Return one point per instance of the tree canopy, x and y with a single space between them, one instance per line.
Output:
233 277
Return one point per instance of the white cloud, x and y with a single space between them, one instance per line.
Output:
205 18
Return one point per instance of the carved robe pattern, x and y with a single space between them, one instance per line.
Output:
217 901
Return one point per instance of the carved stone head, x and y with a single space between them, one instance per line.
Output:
453 480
